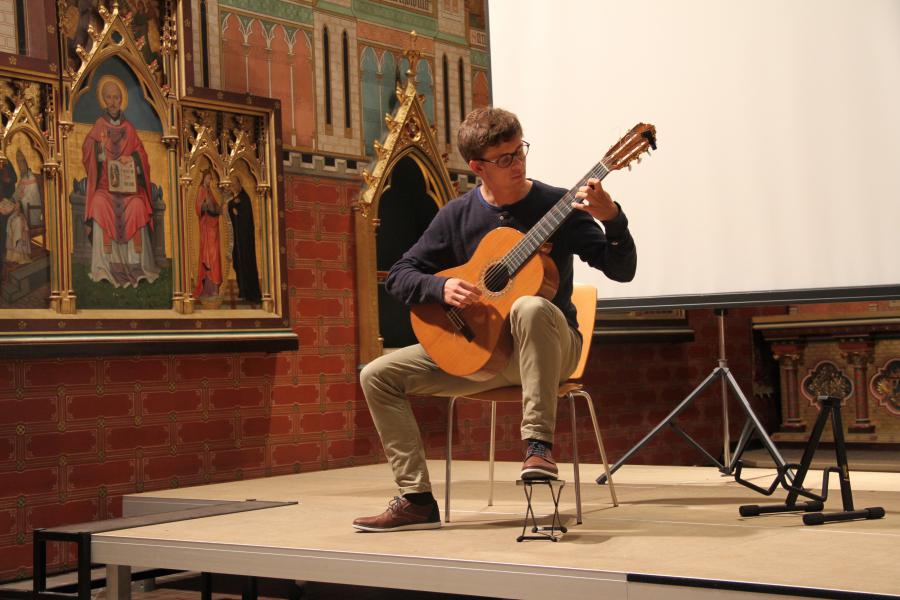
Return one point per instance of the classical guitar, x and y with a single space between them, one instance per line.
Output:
475 341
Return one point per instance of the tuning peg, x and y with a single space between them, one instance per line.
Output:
629 166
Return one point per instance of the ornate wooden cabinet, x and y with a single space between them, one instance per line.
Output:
854 356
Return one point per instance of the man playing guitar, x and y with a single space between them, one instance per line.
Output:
546 341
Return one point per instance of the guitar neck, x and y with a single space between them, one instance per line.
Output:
549 223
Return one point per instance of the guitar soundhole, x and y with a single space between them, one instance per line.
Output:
496 278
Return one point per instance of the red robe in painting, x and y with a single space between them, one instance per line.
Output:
210 267
120 216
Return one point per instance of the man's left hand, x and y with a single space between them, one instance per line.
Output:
595 201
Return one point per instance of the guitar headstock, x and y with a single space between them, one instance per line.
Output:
641 138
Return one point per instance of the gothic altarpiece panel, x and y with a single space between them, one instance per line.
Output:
136 208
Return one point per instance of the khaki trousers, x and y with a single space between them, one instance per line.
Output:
545 353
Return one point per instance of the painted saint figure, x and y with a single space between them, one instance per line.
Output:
21 213
28 192
240 211
18 240
118 212
209 270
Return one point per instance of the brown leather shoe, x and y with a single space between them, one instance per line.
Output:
539 463
402 515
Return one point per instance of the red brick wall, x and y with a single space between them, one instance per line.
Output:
77 434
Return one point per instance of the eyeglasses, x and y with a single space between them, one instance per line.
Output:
504 160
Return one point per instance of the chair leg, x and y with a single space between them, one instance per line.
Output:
575 460
609 481
493 448
449 459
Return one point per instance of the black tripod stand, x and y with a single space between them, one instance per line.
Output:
723 374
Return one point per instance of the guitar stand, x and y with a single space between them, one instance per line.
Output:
543 533
830 406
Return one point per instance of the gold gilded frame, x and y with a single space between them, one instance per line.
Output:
409 135
239 136
25 117
116 40
231 153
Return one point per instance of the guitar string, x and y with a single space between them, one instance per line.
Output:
546 226
525 247
540 232
535 237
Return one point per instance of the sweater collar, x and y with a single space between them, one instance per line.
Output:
493 208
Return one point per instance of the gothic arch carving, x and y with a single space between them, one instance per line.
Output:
116 40
409 136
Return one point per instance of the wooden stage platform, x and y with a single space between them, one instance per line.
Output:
676 534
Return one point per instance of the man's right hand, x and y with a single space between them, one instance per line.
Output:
460 293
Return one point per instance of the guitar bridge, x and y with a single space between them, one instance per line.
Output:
459 324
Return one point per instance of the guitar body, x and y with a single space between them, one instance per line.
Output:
488 351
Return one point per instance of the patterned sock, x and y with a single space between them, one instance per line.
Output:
540 444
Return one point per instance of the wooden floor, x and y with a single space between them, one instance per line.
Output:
674 522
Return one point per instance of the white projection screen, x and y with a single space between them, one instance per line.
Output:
777 176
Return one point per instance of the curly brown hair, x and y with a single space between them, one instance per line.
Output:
486 127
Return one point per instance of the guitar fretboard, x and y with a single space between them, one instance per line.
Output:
549 223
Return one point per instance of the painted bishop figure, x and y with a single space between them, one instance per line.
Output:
118 212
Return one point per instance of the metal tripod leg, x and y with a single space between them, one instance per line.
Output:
717 373
742 442
764 437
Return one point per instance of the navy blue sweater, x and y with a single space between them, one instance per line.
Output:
454 233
